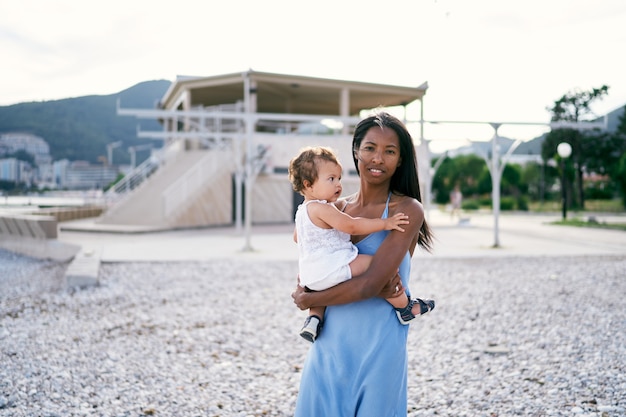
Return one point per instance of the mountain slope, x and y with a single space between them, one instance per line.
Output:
533 146
80 128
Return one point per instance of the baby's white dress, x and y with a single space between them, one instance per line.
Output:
325 254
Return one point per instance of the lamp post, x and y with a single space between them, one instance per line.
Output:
564 150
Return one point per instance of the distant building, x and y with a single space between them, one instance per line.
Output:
11 143
59 172
16 171
77 175
81 175
41 173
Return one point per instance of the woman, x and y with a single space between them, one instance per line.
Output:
358 365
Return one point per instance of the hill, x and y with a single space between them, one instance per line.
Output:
80 128
534 145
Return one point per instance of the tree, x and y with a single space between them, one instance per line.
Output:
533 178
621 171
620 167
463 170
575 106
512 180
621 127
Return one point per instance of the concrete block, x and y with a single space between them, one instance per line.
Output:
83 270
39 248
22 227
25 225
12 226
4 227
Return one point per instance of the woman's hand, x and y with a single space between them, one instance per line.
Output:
393 288
299 296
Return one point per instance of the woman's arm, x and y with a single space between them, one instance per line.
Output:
384 266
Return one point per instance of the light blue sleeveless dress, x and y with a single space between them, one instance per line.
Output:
357 367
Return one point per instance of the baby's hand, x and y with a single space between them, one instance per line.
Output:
394 222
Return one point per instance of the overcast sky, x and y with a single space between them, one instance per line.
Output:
484 60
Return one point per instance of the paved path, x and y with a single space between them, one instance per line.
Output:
518 235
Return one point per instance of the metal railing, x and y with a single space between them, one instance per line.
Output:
144 170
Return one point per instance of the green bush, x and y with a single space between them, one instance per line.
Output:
485 201
470 205
507 203
599 191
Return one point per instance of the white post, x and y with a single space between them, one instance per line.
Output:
238 183
133 156
496 174
428 171
248 158
564 150
344 108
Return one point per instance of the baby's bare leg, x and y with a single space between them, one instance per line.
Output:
399 301
360 264
317 311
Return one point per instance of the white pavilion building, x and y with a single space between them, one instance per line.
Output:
227 143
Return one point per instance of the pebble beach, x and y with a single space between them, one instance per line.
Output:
527 336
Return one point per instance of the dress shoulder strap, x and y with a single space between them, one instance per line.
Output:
386 212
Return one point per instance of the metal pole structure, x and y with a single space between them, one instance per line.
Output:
564 150
239 175
110 148
494 164
495 181
248 155
133 157
248 158
563 190
429 171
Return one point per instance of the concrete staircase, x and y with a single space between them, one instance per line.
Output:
179 194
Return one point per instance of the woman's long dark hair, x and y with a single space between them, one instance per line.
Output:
405 180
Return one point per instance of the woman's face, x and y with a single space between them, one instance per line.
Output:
378 154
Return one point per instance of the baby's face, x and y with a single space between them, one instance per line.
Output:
328 184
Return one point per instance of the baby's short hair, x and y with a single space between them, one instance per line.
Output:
303 166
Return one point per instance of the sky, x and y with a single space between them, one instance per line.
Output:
484 60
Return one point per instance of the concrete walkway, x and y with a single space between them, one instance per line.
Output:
473 236
518 235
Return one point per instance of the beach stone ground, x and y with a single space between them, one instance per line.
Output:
528 336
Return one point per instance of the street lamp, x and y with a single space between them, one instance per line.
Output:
564 150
